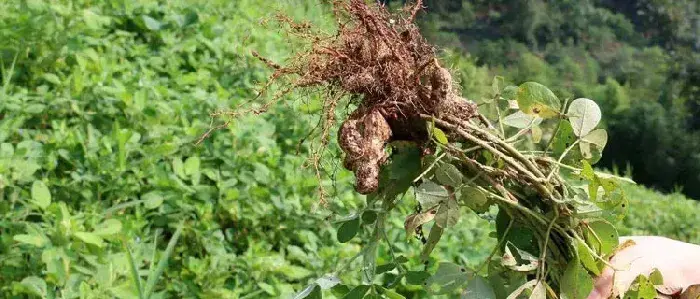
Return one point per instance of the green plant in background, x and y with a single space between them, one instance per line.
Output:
102 103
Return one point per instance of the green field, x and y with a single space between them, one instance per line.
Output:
104 193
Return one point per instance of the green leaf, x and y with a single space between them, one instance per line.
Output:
656 278
90 238
108 228
510 92
125 291
92 20
51 78
389 294
641 288
35 240
478 288
592 145
413 221
6 150
503 282
448 175
613 200
519 236
474 199
584 115
521 120
35 5
563 139
433 238
449 277
316 293
41 196
188 19
385 268
599 137
151 23
537 99
602 236
369 217
152 200
191 166
585 149
405 164
357 292
340 290
154 276
430 194
417 277
348 230
587 171
440 135
586 257
55 267
575 283
496 84
35 285
401 259
178 168
447 214
270 290
133 270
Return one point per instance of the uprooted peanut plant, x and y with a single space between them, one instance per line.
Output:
523 153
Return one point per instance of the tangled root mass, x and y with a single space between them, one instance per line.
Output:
383 60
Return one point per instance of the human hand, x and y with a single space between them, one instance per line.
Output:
678 262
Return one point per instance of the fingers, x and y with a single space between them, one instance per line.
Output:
678 262
602 288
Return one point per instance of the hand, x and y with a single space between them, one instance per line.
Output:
678 262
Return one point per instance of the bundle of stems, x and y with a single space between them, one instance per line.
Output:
403 94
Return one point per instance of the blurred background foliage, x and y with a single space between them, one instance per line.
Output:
101 103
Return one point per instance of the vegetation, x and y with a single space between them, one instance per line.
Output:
105 194
639 60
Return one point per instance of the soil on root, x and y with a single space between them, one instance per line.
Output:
382 59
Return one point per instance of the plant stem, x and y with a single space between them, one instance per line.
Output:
495 249
546 240
429 167
485 145
510 149
566 151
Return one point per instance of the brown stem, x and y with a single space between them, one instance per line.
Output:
535 181
509 148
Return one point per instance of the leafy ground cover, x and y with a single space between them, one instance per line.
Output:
104 193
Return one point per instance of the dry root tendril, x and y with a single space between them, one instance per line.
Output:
383 59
